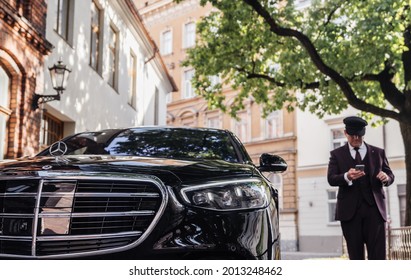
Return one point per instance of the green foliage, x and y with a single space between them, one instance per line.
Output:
355 38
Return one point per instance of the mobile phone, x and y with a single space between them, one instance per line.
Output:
359 167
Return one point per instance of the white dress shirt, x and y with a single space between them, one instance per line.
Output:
363 151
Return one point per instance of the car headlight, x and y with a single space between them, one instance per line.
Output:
228 195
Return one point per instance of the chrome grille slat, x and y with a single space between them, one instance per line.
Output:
81 246
23 238
155 195
89 236
74 215
14 215
97 214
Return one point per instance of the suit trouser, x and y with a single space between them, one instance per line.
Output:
366 227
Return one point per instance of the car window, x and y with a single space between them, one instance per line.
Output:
148 142
174 143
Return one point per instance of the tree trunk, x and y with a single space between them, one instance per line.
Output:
406 136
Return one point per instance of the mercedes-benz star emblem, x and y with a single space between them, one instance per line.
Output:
58 149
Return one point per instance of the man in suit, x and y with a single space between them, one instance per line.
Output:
360 171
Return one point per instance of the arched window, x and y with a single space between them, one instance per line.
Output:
4 110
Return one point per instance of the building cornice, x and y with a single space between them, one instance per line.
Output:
155 6
24 29
166 9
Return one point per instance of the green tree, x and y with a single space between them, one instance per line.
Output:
322 58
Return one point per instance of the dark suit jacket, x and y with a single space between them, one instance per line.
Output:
348 196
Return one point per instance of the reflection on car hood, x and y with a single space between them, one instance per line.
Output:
183 170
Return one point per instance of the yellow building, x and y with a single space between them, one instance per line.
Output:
172 26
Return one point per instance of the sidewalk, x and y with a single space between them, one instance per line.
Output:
310 255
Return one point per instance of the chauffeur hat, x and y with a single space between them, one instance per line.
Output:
355 125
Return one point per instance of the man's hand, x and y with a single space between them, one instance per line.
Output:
383 177
354 174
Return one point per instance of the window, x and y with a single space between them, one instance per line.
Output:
214 81
274 125
24 8
5 111
277 181
188 119
95 39
166 42
402 202
132 98
112 56
213 122
241 126
51 130
189 35
61 25
338 138
188 90
332 203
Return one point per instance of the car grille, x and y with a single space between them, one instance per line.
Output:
64 217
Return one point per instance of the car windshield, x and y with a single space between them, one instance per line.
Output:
176 143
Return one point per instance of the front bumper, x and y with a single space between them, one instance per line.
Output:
89 217
205 235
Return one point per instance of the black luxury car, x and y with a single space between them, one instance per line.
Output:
140 193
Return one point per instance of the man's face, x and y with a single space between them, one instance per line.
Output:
354 140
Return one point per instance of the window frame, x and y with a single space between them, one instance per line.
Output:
97 38
213 120
132 96
340 141
113 56
189 35
278 131
63 24
49 135
188 90
277 180
241 127
402 197
166 42
331 206
5 110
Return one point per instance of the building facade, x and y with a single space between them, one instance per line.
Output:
23 49
117 78
173 28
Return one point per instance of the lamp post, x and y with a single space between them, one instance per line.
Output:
59 75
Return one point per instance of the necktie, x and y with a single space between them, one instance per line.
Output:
357 155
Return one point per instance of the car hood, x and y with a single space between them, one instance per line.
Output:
168 170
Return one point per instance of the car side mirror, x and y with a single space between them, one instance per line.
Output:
272 163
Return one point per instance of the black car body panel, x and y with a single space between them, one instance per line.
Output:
141 201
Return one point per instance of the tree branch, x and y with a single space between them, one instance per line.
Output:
252 75
331 14
391 92
319 63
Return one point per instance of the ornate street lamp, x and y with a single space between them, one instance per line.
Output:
59 75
